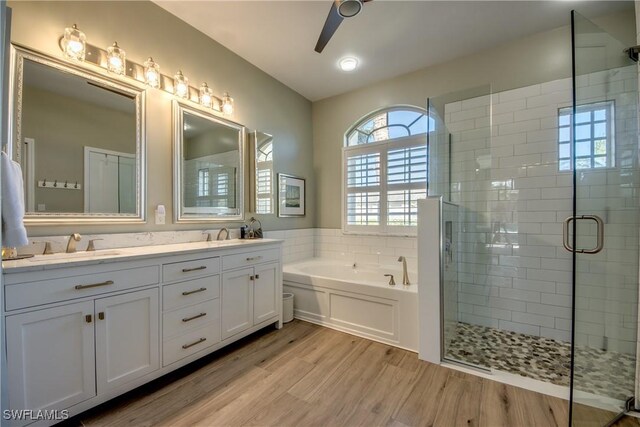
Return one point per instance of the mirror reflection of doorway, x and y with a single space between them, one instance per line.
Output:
110 178
28 172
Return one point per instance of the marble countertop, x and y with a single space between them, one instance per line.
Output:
63 260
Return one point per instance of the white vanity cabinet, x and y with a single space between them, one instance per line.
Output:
63 355
251 290
191 316
50 356
79 335
127 338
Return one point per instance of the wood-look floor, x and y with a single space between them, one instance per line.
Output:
306 375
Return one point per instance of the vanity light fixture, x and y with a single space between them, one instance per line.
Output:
206 96
116 59
74 43
227 104
74 46
152 73
181 85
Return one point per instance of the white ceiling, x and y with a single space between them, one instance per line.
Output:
73 86
390 37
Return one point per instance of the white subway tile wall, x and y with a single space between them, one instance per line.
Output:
298 244
379 250
514 272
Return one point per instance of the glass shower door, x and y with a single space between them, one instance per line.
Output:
598 139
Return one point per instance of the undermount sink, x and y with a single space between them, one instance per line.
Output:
72 256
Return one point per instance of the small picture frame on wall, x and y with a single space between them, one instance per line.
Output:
291 195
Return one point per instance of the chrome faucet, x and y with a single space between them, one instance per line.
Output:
71 244
220 232
91 247
405 276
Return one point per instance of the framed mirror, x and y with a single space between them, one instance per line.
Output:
79 137
208 166
263 183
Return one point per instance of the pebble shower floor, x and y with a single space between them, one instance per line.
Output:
544 359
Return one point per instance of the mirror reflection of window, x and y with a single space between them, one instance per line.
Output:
264 173
210 166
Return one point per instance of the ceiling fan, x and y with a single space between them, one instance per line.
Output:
340 9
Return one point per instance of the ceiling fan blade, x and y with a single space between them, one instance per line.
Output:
330 26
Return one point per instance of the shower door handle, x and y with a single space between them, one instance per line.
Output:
599 234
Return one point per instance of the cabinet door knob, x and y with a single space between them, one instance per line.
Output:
101 315
257 276
252 277
88 318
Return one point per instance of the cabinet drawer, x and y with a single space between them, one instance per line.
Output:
187 318
190 292
188 269
191 342
249 258
48 291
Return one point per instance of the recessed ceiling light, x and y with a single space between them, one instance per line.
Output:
348 63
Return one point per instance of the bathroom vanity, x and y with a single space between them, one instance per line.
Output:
83 328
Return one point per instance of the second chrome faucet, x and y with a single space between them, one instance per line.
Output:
405 275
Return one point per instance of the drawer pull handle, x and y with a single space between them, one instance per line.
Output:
101 315
197 316
88 318
95 285
195 291
186 346
254 258
186 270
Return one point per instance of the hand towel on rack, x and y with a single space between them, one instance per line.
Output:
14 233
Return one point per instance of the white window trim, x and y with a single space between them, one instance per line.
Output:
611 144
379 147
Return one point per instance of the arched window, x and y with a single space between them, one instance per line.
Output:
385 164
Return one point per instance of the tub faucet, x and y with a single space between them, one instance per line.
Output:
220 232
405 276
71 244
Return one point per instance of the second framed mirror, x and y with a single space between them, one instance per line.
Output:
208 166
262 179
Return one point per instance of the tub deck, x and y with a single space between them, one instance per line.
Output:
355 300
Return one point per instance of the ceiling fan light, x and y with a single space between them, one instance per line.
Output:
349 8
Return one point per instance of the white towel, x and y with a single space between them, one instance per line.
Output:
13 232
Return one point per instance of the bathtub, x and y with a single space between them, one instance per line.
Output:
357 300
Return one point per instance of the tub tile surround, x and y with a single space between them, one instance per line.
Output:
331 243
514 273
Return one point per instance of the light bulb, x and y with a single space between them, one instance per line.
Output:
206 96
181 85
227 104
152 73
74 43
116 59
